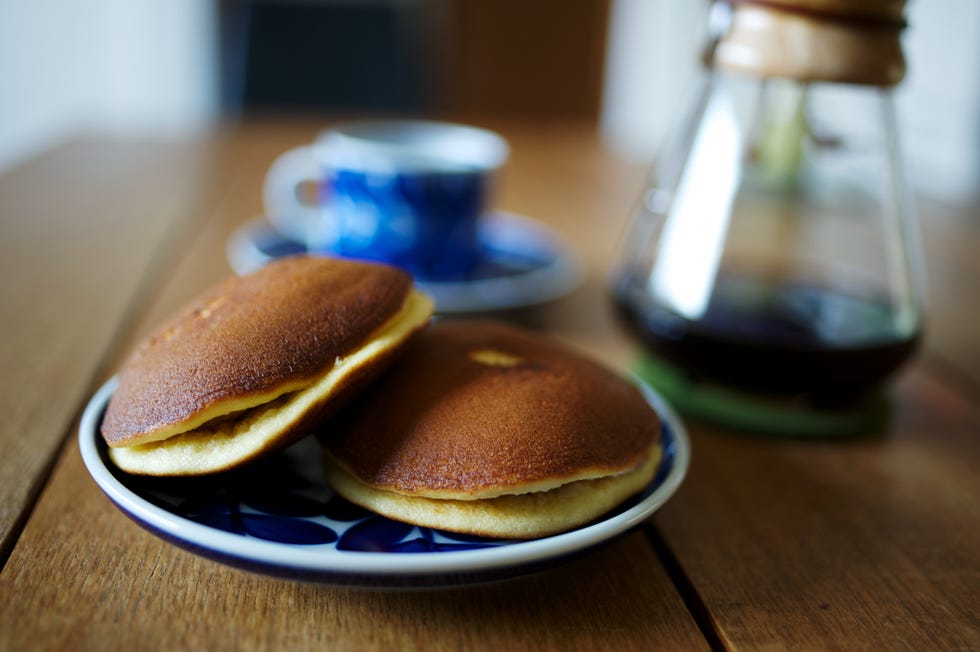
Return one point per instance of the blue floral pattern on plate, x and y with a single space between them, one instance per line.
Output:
279 517
285 499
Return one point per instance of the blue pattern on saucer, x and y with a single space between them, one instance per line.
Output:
495 259
519 263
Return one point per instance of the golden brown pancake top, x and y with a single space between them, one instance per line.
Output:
280 326
476 408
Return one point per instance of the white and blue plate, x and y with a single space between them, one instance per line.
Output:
278 517
522 263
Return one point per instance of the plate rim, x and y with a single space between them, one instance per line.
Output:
297 561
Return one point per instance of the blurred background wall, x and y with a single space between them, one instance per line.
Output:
164 68
541 58
103 66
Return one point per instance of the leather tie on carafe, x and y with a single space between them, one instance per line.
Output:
842 41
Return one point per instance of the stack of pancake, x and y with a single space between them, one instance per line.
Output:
468 426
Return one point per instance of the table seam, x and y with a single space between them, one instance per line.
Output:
688 593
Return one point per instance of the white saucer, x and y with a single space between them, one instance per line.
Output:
524 263
278 517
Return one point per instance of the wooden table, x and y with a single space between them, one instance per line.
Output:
774 543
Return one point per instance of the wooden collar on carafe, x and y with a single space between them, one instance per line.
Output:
845 41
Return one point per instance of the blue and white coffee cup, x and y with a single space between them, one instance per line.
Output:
407 192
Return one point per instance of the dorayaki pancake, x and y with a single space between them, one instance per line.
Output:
484 428
251 365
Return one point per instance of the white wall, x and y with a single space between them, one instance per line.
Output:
651 70
653 55
106 66
939 101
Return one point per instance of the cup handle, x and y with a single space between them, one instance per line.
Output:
288 205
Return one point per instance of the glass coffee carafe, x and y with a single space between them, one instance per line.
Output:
772 267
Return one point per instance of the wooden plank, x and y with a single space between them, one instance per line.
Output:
871 543
96 577
80 233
